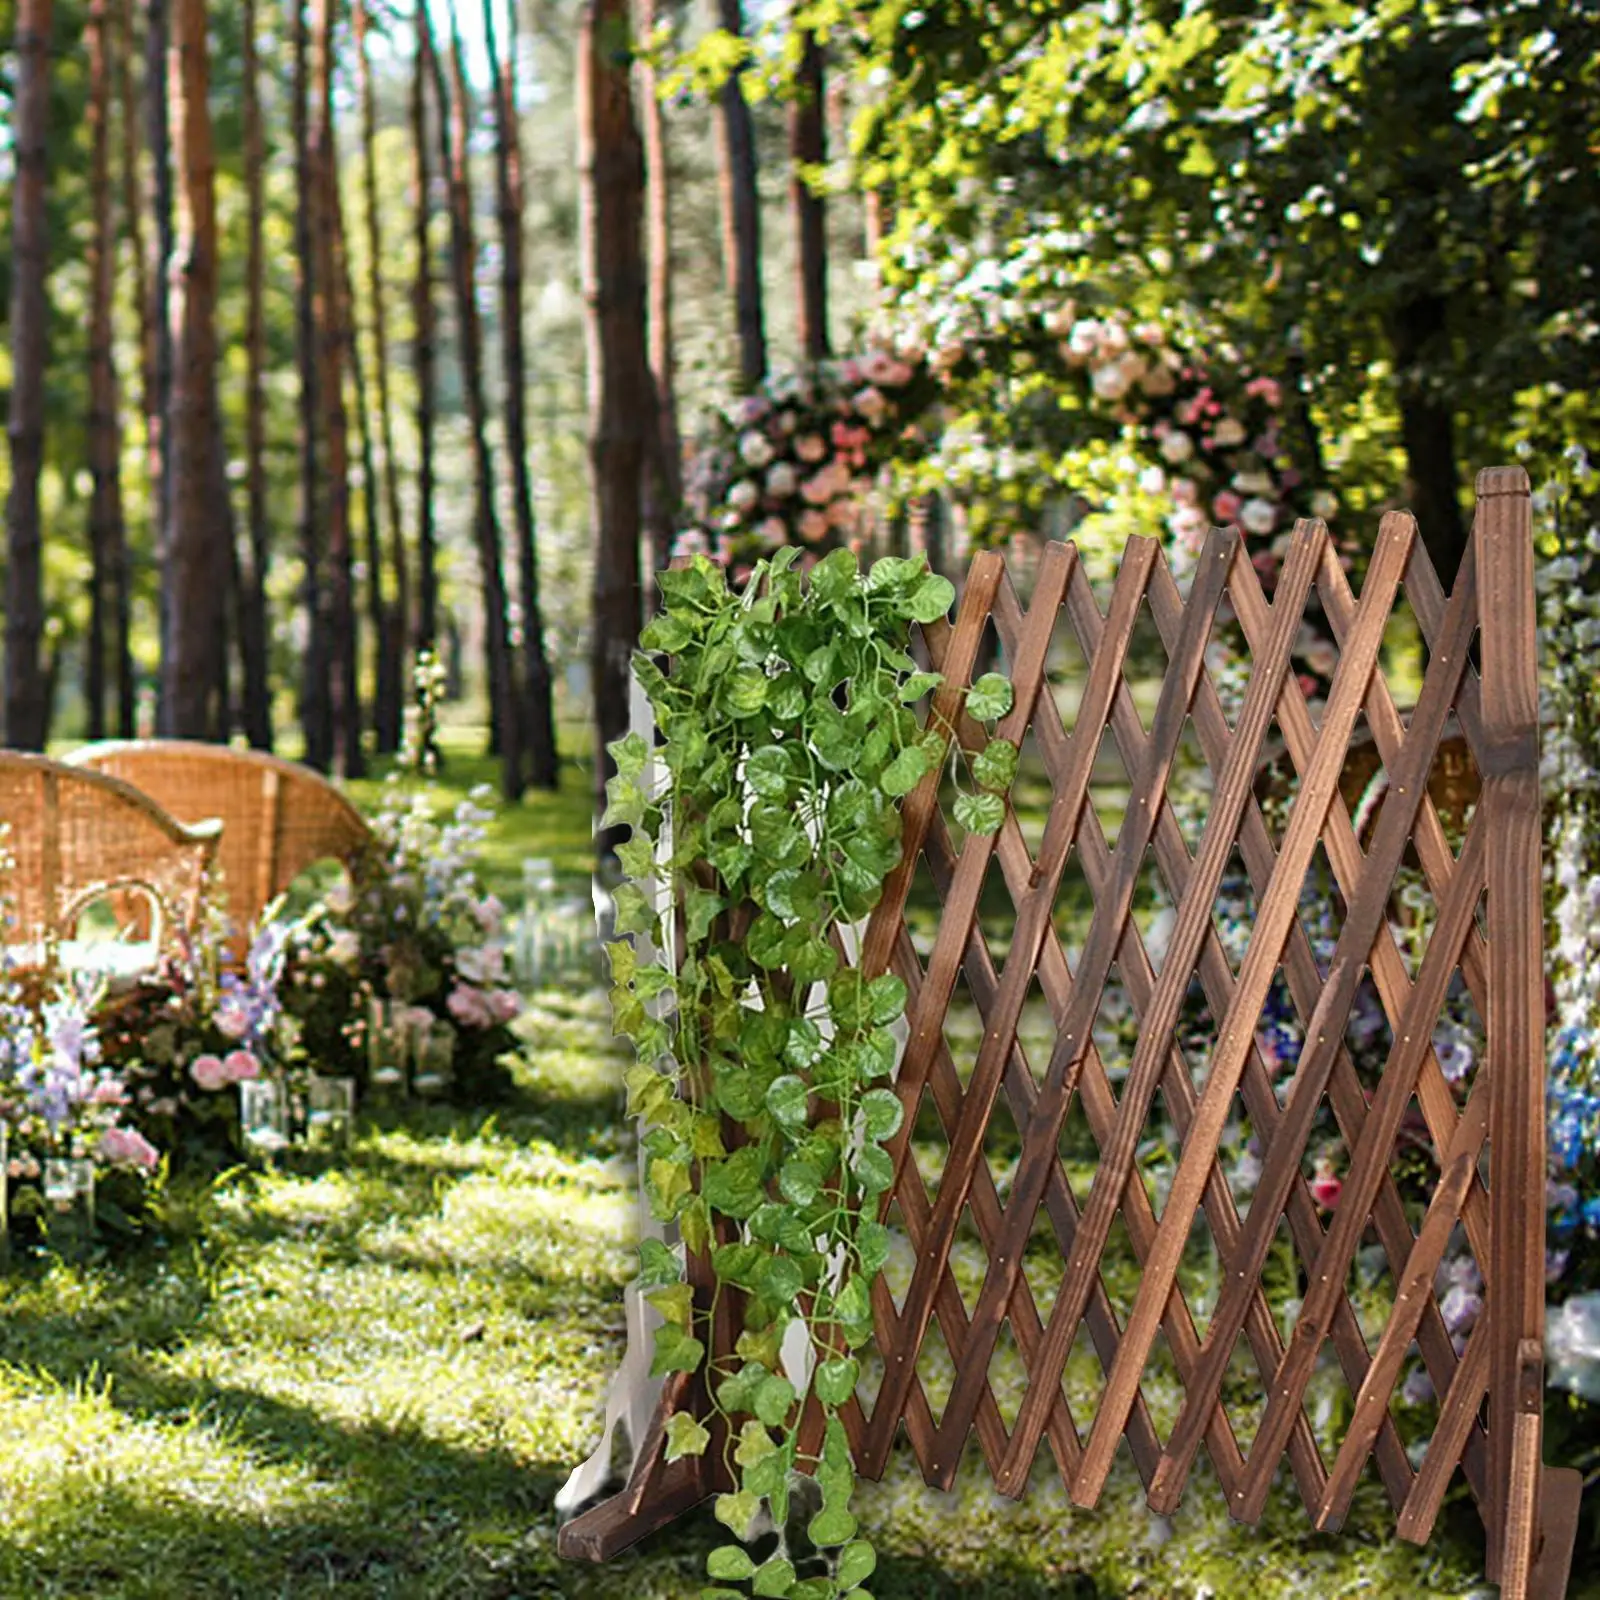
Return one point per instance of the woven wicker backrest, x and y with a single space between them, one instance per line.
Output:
278 817
75 835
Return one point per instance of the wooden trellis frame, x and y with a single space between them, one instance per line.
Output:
1490 1419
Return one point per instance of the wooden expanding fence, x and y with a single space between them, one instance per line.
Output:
1480 683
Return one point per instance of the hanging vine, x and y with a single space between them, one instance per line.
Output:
765 1062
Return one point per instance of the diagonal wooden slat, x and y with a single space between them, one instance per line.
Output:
1369 1160
1104 936
960 655
1413 1289
1194 915
1364 920
1033 917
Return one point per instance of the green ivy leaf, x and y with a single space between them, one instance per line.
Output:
795 895
812 960
773 1400
638 856
980 813
755 1445
775 1577
669 1185
918 685
694 1223
804 1046
799 1182
905 772
835 1381
853 1303
781 1280
834 577
873 1167
738 1392
833 1525
744 692
767 942
658 1264
768 772
813 1589
624 960
685 1437
883 1114
787 1099
996 765
631 754
700 909
675 1302
887 998
675 1351
857 1563
931 599
730 1561
665 633
990 697
734 1186
627 803
634 913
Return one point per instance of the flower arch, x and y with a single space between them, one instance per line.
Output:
1203 436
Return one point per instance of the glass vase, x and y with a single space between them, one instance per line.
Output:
67 1186
434 1068
330 1112
389 1047
263 1116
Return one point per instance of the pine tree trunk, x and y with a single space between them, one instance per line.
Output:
27 712
664 479
378 613
133 219
463 260
197 578
389 630
425 625
611 196
741 211
158 139
257 699
808 148
315 697
538 711
1417 331
106 534
343 659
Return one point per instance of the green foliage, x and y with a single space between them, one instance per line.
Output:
787 738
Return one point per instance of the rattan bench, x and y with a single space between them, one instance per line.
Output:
279 818
75 836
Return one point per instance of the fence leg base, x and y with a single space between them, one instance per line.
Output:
1559 1495
622 1521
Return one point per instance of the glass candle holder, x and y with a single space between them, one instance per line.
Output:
330 1112
389 1042
263 1116
435 1060
67 1186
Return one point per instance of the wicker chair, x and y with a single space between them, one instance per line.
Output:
278 817
77 836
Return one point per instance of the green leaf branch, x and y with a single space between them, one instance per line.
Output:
767 818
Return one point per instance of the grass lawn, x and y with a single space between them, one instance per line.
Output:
372 1380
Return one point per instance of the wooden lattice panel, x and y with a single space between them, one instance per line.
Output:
1479 685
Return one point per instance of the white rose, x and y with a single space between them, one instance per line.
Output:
782 480
1177 447
1109 382
755 448
742 497
1229 433
1258 516
1084 339
1152 480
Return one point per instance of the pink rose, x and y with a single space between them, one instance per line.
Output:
127 1147
209 1072
240 1065
470 1007
506 1004
813 525
1326 1189
811 448
1225 508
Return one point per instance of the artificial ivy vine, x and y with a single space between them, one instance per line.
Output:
765 1065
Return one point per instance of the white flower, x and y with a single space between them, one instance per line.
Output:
1110 382
782 480
1084 339
1259 484
1152 480
1177 447
1258 516
870 403
755 448
811 448
1229 432
344 949
773 533
1572 1344
742 497
1325 504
